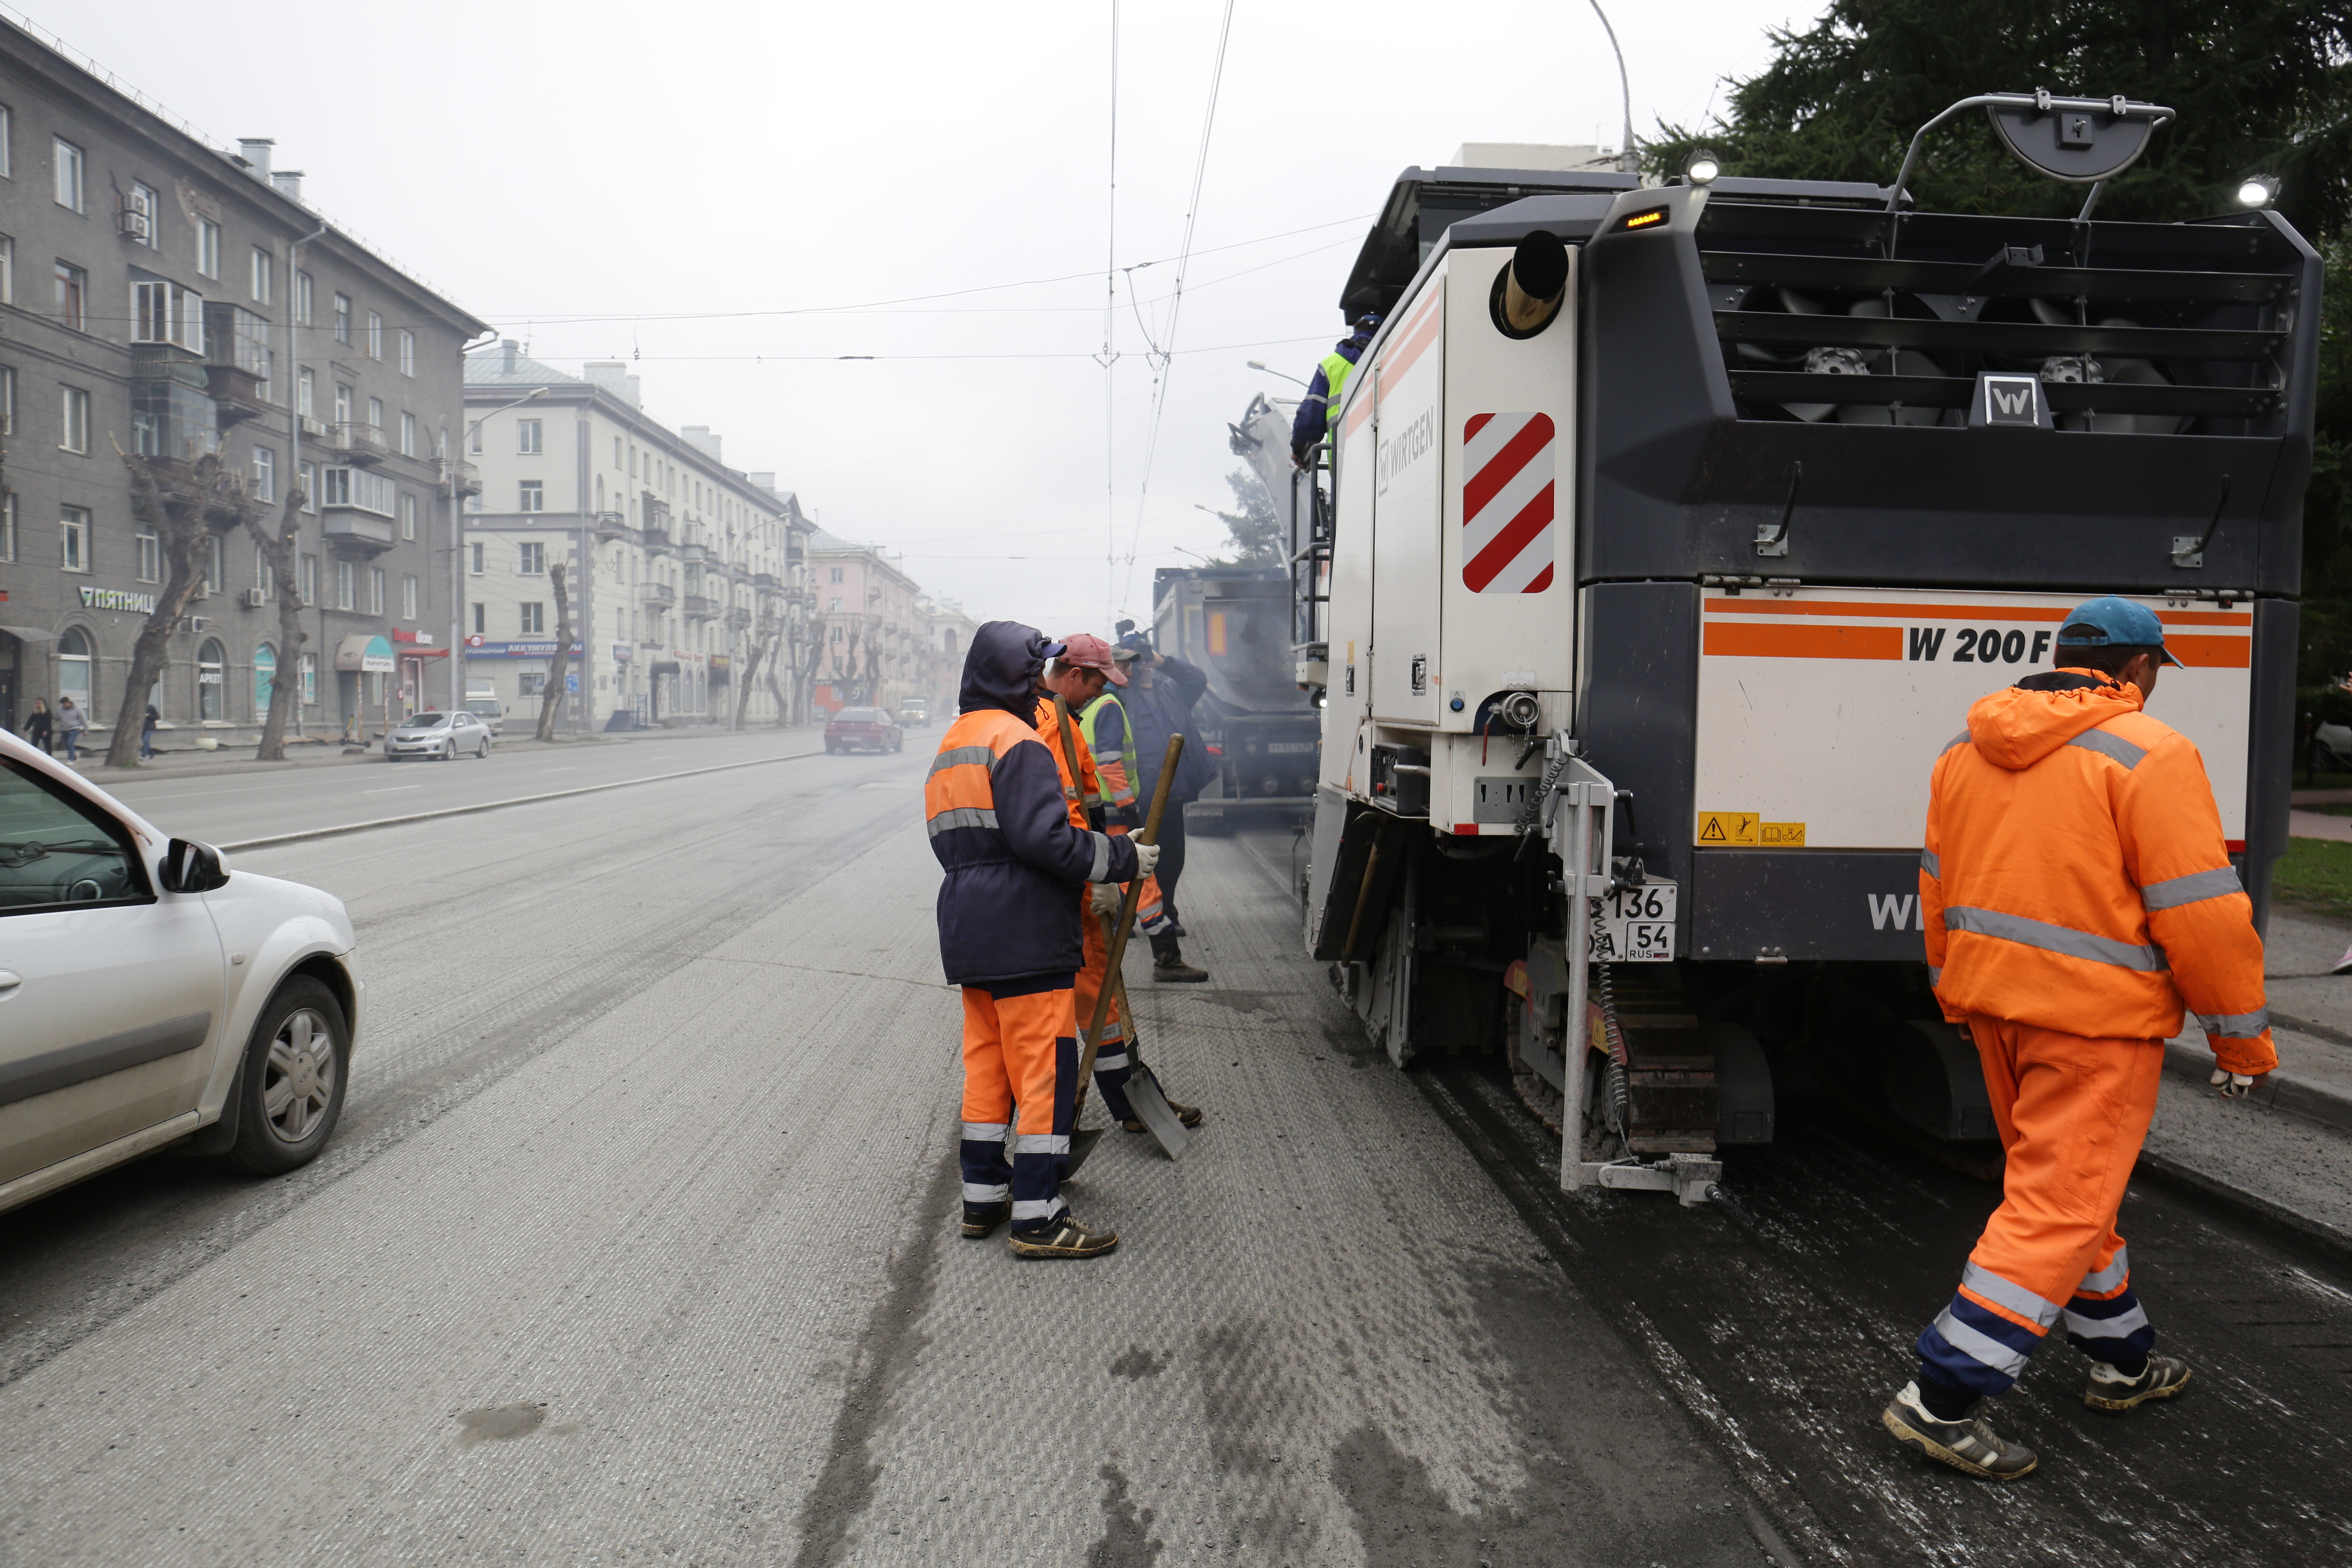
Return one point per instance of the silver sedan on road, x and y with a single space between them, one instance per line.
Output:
150 996
445 736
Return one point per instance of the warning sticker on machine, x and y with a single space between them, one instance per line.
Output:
1832 704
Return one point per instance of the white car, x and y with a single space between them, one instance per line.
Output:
149 996
433 734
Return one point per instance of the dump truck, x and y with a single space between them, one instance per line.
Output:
1667 533
1258 727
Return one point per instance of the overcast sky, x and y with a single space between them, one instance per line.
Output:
734 196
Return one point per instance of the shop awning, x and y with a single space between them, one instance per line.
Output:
29 634
365 653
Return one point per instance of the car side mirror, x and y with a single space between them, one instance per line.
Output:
193 868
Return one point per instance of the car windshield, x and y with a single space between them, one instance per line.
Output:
426 721
55 849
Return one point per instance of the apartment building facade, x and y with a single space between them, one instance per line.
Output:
869 633
167 301
945 637
676 565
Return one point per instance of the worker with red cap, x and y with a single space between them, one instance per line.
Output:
2079 899
1010 936
1099 797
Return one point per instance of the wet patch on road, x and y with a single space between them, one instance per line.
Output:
1127 1530
1138 1363
499 1423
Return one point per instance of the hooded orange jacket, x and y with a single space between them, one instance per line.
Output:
2076 877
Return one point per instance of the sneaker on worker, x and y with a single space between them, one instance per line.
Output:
1064 1238
2112 1388
1967 1444
981 1219
1168 964
1190 1115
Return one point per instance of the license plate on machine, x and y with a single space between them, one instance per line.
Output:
1637 925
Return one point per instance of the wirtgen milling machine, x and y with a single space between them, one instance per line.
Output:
1672 532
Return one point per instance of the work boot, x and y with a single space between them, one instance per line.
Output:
981 1219
1167 963
2111 1388
1190 1115
1967 1444
1063 1237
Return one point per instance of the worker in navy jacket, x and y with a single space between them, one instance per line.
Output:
1009 934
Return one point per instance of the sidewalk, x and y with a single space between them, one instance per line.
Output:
314 752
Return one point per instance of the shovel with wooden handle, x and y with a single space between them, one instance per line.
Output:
1083 1142
1144 1095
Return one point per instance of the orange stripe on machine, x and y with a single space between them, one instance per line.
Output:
1900 611
1739 640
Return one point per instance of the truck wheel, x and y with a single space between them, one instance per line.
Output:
290 1090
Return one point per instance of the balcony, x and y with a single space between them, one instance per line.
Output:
692 549
657 593
702 607
361 531
360 441
766 579
611 525
467 478
739 618
656 539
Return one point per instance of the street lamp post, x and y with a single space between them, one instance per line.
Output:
449 461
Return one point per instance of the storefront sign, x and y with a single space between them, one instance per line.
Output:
118 599
401 634
623 653
514 649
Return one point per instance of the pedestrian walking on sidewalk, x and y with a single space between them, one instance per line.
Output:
147 733
2078 898
37 727
71 723
1009 936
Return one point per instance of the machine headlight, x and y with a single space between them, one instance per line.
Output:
1702 167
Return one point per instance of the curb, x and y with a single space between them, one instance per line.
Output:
2282 1091
342 829
2275 1216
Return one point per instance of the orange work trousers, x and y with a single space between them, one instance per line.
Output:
1020 1050
2073 1112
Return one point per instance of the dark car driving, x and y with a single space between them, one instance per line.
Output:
862 729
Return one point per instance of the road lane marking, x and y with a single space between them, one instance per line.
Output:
277 838
391 789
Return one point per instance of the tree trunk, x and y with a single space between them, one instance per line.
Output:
286 681
182 522
551 696
749 673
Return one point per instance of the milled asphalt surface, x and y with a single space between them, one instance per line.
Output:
637 1246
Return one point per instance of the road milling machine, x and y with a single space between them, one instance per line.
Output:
1670 532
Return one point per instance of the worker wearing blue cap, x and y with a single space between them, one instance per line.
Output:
2079 900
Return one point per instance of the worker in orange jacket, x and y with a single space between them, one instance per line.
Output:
2079 897
1079 677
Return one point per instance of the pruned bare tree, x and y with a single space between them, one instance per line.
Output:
185 503
762 645
277 548
551 696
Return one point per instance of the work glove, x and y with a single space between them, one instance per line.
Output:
2233 1085
1147 858
1105 897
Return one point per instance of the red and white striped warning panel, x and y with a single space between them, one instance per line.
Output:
1507 503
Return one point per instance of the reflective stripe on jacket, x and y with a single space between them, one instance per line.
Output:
1112 737
1000 824
1318 411
2075 876
1085 794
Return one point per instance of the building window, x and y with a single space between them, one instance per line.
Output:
73 543
309 487
532 560
474 565
375 414
167 313
344 397
9 526
265 474
75 436
375 336
305 297
407 515
309 680
534 619
151 556
216 564
480 619
528 436
69 174
7 270
408 599
306 393
265 272
7 400
72 296
7 139
265 676
307 579
358 489
212 677
407 352
836 574
342 318
265 576
533 497
144 215
531 683
376 590
344 594
407 434
208 248
73 666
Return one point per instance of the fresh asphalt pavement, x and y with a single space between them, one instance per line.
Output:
637 1245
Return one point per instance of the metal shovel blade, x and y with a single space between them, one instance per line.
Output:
1151 1108
1082 1144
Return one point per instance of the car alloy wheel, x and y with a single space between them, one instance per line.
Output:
298 1076
290 1088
